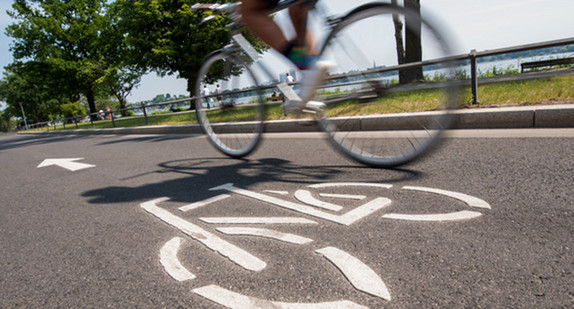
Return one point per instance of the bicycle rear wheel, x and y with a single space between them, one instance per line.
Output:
379 111
232 117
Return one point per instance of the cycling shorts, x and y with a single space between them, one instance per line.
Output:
270 3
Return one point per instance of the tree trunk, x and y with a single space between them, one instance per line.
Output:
413 45
191 88
122 100
399 40
90 96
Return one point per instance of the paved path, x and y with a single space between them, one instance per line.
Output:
165 221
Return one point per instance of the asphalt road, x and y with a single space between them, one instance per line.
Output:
483 222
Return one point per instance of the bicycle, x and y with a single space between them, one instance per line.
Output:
366 114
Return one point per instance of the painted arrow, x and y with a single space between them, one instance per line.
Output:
66 163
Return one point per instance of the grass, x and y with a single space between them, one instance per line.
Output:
518 93
526 92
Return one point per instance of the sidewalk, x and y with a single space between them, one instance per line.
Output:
536 116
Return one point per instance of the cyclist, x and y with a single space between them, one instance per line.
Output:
255 15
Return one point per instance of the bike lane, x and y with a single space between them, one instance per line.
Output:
202 231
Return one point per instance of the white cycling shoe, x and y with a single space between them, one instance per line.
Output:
309 83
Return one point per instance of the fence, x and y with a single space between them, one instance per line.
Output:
471 57
112 115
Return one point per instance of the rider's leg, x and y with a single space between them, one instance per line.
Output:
255 15
256 18
298 15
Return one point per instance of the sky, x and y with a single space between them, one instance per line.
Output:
477 24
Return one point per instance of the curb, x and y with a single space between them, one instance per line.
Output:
544 116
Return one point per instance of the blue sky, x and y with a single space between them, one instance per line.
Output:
478 24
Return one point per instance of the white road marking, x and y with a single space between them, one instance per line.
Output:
66 163
234 300
351 184
345 219
204 202
252 231
235 254
256 220
306 197
453 216
470 200
346 196
277 192
361 276
168 258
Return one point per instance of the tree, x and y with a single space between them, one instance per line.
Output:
120 83
409 50
32 84
78 37
121 76
72 109
167 37
6 122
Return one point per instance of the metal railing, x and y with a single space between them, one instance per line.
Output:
146 111
472 57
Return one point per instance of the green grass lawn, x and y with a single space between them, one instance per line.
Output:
526 92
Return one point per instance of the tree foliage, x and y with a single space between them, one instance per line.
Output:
6 122
164 36
32 85
167 37
77 41
72 109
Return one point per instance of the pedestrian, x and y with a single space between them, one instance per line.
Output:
289 78
206 93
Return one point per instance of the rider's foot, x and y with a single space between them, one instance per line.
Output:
297 107
312 79
315 106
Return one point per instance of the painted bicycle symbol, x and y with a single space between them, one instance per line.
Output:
310 208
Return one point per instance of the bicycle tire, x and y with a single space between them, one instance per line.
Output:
233 119
370 120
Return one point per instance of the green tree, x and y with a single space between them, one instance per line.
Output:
167 37
78 37
31 85
122 75
6 122
72 109
120 83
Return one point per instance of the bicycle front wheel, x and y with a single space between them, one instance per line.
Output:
229 104
383 107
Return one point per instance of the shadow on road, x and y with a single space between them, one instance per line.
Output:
205 173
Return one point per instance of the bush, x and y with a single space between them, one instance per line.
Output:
72 109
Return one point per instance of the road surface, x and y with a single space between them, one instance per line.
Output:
150 221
